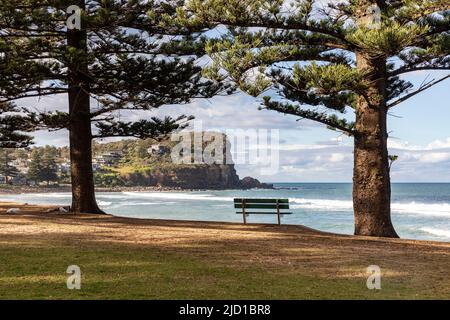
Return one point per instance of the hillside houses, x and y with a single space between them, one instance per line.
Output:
107 159
21 164
158 149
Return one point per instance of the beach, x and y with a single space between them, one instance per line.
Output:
13 189
161 259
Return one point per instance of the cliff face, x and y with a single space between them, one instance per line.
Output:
193 177
187 177
151 165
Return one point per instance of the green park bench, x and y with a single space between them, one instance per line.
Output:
267 206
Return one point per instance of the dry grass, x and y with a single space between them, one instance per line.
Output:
307 263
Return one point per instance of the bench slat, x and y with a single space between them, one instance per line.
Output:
260 206
239 200
274 205
281 213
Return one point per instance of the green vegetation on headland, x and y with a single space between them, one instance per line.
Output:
34 166
126 163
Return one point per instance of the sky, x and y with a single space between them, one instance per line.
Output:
309 152
419 132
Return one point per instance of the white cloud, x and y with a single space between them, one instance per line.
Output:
337 157
299 147
435 157
439 144
324 163
402 145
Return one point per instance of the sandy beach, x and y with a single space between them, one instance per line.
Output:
412 269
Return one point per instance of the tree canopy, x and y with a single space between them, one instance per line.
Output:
130 64
110 54
13 127
304 52
338 63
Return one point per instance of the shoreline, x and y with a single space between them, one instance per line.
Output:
52 211
67 189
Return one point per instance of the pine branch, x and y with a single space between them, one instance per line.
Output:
143 129
251 14
13 126
330 121
421 89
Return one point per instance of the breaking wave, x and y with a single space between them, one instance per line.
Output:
177 196
432 209
437 232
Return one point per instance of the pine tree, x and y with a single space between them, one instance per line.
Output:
35 166
321 61
6 168
49 170
43 166
117 55
140 152
21 154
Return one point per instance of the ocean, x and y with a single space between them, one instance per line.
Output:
419 211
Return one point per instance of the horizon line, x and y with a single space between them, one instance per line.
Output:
343 182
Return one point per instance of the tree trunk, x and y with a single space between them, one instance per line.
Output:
83 190
371 179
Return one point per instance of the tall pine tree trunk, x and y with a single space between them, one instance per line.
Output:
371 179
83 190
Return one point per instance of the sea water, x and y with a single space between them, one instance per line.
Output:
419 211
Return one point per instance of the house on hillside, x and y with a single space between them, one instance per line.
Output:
64 167
21 164
19 180
107 159
158 149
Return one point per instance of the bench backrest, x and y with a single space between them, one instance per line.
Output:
265 204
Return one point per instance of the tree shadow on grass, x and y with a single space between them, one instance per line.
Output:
289 252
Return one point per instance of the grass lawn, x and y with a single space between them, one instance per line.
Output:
115 272
129 259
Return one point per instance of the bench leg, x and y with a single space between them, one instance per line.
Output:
278 214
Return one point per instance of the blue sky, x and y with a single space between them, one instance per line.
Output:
420 135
